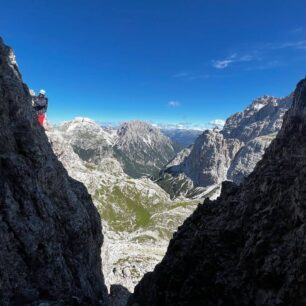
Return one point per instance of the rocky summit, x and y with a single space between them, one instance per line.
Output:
50 230
88 139
142 149
230 153
247 247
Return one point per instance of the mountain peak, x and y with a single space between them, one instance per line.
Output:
141 142
135 131
262 117
79 121
260 102
137 127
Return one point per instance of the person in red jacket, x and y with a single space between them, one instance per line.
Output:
41 106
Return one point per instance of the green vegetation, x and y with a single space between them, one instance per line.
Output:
90 166
128 210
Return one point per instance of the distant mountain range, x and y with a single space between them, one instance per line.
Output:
141 149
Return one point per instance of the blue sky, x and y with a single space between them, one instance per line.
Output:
163 61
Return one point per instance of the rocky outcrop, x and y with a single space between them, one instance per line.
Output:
50 230
205 166
210 158
230 153
247 247
247 158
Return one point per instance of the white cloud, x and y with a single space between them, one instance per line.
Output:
221 64
217 122
234 58
301 44
174 104
224 63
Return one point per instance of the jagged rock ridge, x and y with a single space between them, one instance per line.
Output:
262 117
230 153
50 230
247 247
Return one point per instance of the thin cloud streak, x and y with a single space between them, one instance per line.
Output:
234 58
298 45
263 54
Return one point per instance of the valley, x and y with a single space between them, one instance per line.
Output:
138 216
144 187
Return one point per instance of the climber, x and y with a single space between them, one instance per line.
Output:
41 106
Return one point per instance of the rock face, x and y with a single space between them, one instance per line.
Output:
210 157
205 166
180 157
247 158
142 149
230 153
263 117
50 230
247 247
